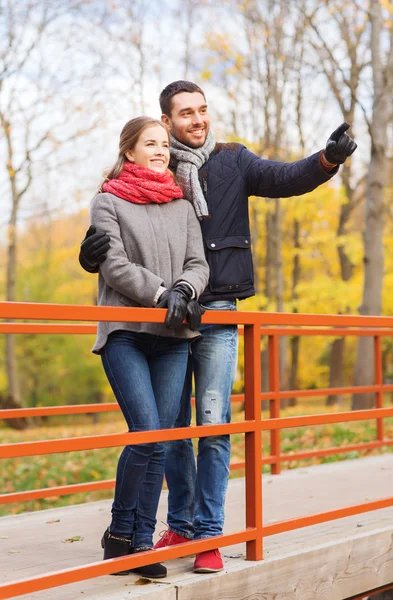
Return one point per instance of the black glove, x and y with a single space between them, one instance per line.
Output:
93 249
339 146
176 301
194 314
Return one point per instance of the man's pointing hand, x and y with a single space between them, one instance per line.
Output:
339 146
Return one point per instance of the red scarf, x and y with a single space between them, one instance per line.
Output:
143 186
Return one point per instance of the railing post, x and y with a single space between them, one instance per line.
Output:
253 439
378 381
274 404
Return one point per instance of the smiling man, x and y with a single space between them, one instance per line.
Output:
217 178
187 117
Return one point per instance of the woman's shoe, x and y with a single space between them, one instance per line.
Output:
115 546
155 571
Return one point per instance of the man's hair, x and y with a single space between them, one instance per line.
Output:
176 87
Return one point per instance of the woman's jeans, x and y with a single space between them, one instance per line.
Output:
196 498
147 375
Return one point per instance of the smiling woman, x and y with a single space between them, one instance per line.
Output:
141 140
152 149
155 258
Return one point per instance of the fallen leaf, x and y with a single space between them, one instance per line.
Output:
54 521
13 551
142 581
3 537
76 538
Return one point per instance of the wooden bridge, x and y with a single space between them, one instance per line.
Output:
327 530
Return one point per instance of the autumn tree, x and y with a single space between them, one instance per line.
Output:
261 67
338 36
39 113
380 15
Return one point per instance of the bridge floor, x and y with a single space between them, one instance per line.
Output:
331 561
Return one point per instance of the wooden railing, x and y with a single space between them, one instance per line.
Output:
255 324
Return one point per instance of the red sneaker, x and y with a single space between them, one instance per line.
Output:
208 562
170 538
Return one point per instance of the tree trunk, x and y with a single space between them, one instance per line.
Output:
373 235
268 294
293 379
295 340
346 269
11 368
336 370
7 402
283 340
346 95
12 399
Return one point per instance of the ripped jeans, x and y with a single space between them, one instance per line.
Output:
196 497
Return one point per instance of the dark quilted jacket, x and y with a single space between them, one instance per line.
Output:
228 178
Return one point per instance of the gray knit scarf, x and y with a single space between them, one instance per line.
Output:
189 161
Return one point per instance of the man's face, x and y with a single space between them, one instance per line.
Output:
189 120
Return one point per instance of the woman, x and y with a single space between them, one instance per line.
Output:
156 258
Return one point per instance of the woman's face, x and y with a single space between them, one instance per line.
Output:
152 149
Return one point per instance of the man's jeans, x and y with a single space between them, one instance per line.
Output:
147 374
196 499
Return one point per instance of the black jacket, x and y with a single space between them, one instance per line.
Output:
228 178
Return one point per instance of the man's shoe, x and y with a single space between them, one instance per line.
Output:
170 538
154 571
208 562
115 546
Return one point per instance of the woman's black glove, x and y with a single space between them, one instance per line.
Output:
194 314
175 300
339 146
93 249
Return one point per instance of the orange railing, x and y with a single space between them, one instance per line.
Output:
255 324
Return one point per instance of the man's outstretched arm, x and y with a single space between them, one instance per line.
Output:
94 248
279 179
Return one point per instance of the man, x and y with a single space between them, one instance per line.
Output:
218 179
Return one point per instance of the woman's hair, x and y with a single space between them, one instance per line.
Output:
128 138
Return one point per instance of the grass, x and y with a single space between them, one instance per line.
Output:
35 472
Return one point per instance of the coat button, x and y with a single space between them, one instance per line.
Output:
230 287
246 241
213 245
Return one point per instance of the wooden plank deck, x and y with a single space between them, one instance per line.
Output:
332 561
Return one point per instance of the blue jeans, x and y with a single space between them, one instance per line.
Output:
146 373
196 498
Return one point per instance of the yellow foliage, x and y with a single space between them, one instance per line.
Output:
387 5
206 75
48 271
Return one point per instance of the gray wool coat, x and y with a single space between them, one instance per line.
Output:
151 245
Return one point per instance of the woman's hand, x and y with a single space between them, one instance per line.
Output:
176 300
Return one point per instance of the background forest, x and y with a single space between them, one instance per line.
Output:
280 76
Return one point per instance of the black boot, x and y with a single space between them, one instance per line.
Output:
115 546
155 571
